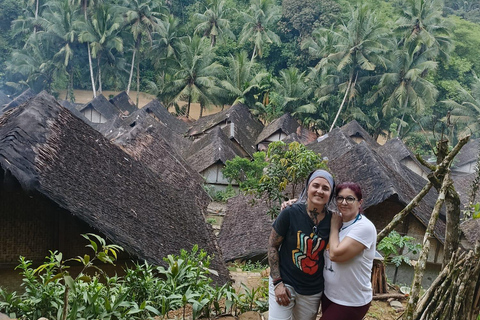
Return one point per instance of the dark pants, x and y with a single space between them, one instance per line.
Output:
333 311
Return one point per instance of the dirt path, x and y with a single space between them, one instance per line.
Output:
85 96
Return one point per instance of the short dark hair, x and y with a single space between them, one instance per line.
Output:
355 187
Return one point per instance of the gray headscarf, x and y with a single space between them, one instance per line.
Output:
317 174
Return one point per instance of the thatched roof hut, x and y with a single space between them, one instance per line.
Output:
278 128
212 148
78 176
123 103
245 229
332 145
22 98
356 132
471 231
397 149
155 109
243 128
467 157
99 110
302 135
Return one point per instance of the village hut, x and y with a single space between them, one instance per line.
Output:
302 135
4 99
238 124
209 154
156 110
72 107
245 229
356 132
60 178
22 98
155 145
466 159
277 130
123 103
402 154
470 232
332 145
99 110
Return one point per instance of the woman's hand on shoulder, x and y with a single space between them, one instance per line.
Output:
336 222
287 203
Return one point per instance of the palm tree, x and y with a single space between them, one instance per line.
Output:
197 75
422 23
355 46
262 15
166 39
292 89
143 17
467 112
404 90
241 82
102 35
213 24
58 23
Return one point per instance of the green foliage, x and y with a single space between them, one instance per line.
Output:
245 172
394 244
144 292
219 195
248 266
288 165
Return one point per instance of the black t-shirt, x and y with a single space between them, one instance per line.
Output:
301 252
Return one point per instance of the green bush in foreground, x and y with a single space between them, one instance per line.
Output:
144 292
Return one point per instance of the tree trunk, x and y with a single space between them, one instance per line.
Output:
254 54
131 71
188 105
201 110
422 260
91 70
36 16
138 80
100 89
343 101
403 115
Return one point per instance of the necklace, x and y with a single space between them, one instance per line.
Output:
359 216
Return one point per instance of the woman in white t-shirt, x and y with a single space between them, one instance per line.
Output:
348 258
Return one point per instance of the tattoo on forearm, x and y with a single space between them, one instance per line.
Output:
274 243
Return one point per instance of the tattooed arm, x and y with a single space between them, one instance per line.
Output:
274 243
282 294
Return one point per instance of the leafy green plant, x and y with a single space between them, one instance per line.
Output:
395 249
212 220
218 195
245 172
249 266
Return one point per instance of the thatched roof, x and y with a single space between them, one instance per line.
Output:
285 124
102 106
73 108
123 103
212 148
471 230
355 131
302 135
463 185
150 142
50 151
4 99
160 113
382 177
469 153
245 229
333 144
22 98
245 127
400 152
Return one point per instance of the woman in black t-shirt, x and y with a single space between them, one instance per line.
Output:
295 251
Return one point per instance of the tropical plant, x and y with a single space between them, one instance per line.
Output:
289 165
245 172
213 22
258 28
395 249
101 33
357 45
292 89
196 76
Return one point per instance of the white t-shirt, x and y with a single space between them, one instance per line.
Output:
349 283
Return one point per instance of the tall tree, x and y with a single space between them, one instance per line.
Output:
466 112
143 18
101 32
292 89
404 89
355 46
196 76
58 24
213 22
259 25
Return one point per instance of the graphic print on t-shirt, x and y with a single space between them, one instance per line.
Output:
306 256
